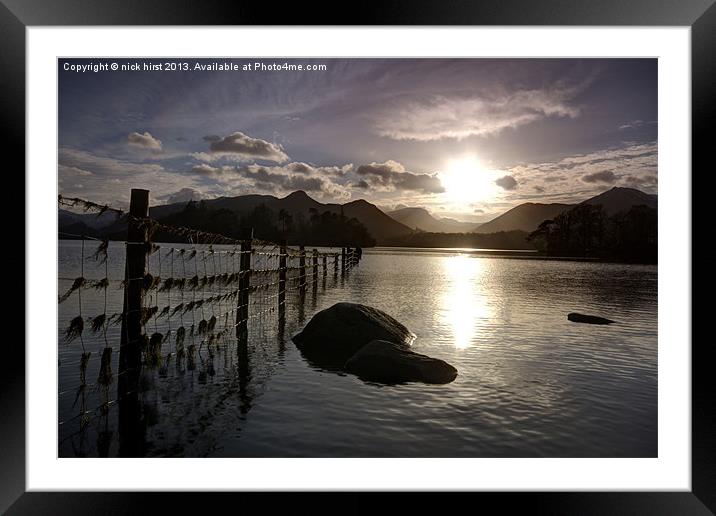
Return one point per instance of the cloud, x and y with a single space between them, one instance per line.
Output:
438 117
304 168
144 140
506 182
605 176
241 147
101 165
583 175
391 176
283 178
104 179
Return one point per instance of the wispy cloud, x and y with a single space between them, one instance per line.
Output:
574 177
437 117
636 124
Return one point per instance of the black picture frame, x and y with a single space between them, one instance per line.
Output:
700 15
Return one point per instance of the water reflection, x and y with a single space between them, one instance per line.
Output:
464 301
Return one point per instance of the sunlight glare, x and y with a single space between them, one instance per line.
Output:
464 305
467 181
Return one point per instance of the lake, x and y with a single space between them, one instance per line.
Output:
530 383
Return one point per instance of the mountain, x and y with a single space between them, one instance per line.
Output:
525 217
378 224
420 218
622 199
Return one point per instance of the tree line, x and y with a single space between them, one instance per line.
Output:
327 229
588 231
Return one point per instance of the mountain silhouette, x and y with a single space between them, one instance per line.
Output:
528 216
620 199
525 217
421 219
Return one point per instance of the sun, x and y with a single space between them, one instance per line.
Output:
467 181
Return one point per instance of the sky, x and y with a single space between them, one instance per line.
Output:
463 138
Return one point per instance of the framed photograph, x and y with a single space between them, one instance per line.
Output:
442 248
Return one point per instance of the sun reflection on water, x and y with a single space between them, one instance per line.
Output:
464 302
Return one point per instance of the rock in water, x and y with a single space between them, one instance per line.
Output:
333 335
387 362
589 319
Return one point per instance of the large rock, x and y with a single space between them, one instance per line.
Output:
335 334
588 319
387 362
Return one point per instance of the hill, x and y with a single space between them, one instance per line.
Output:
620 199
525 217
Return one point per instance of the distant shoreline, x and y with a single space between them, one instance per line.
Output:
516 254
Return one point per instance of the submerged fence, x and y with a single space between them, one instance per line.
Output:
176 301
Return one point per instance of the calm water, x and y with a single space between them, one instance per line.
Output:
530 383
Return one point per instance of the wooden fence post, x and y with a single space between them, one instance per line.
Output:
282 278
130 353
315 269
302 270
242 306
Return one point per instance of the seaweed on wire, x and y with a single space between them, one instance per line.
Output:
117 318
181 333
193 283
105 369
97 323
100 254
150 281
191 358
203 325
165 311
101 284
164 367
75 329
148 313
212 323
168 284
154 350
78 283
84 360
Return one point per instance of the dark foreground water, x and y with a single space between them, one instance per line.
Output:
530 383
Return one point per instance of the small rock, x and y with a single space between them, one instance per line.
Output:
588 319
387 362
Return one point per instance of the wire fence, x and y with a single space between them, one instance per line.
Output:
192 303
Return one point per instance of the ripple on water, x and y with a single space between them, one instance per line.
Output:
530 382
